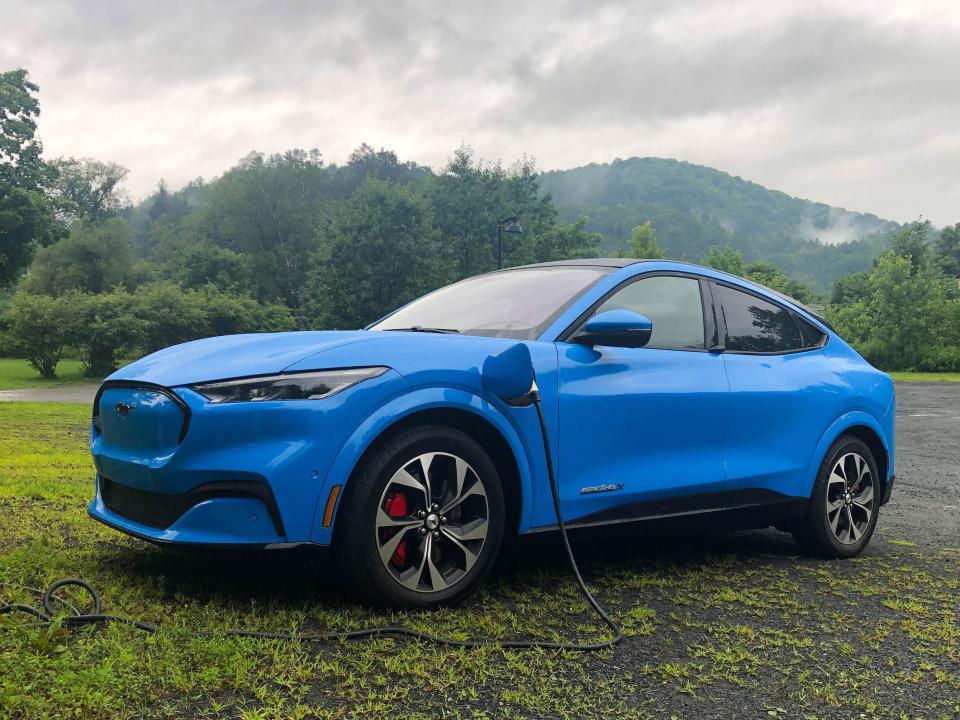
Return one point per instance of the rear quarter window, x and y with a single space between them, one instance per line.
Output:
755 325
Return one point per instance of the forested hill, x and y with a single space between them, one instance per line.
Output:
693 207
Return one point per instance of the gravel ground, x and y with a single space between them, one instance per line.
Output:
79 393
926 498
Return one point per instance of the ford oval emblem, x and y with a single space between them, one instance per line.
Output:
123 409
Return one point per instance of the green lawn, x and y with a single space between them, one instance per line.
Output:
925 377
736 627
16 374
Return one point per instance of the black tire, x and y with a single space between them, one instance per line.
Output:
828 533
359 540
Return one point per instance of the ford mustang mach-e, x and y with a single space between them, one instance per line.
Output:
669 391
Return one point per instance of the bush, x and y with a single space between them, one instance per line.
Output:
103 328
36 330
93 258
170 315
905 317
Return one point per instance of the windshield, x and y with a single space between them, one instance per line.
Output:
515 303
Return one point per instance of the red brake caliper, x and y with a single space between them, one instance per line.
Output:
395 505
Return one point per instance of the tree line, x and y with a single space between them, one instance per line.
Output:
695 207
289 241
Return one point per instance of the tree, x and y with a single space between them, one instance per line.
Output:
35 326
903 310
268 208
725 259
92 258
948 250
229 313
26 219
769 275
468 199
643 243
87 189
193 262
161 205
848 289
905 320
380 252
381 164
170 315
913 243
762 272
560 242
103 328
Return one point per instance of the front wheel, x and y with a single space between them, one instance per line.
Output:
843 509
422 520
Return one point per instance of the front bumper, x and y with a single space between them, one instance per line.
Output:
221 513
247 474
233 521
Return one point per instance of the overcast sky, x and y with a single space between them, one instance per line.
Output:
852 103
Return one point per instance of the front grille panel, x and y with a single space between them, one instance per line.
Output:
141 423
158 510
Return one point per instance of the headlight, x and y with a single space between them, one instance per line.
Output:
295 386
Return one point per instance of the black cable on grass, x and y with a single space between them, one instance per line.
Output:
97 617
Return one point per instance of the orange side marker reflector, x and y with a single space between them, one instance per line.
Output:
331 504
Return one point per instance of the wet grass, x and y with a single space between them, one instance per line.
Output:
729 627
16 374
925 377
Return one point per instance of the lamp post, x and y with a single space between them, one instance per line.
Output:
507 225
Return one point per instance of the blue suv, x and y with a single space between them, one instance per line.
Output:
669 390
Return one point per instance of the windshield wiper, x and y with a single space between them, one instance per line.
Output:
420 328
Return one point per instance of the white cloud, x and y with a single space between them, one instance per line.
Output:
851 103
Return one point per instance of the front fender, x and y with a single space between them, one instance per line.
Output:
839 426
403 406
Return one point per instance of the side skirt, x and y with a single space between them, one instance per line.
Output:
753 508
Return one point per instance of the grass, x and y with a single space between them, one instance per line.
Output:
925 377
16 374
735 627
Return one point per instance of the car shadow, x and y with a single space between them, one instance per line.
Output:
299 577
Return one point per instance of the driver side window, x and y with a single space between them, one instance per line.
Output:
672 303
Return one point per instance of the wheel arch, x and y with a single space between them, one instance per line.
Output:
865 428
444 406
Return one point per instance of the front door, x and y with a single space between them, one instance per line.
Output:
640 425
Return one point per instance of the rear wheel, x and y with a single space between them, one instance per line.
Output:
843 509
423 518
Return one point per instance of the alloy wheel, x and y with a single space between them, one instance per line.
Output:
432 522
850 498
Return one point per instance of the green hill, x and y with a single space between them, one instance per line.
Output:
693 207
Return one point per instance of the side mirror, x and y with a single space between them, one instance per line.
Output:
616 328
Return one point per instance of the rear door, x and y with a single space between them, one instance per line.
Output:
780 384
641 424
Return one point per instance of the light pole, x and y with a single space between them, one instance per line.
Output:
509 225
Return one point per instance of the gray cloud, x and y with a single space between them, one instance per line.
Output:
853 103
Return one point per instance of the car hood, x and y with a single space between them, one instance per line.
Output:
421 357
231 356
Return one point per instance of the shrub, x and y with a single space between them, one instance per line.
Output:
169 315
228 314
93 258
103 328
37 331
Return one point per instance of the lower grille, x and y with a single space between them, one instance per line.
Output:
161 510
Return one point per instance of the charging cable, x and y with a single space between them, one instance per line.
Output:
48 614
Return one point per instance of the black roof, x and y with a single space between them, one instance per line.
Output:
586 262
